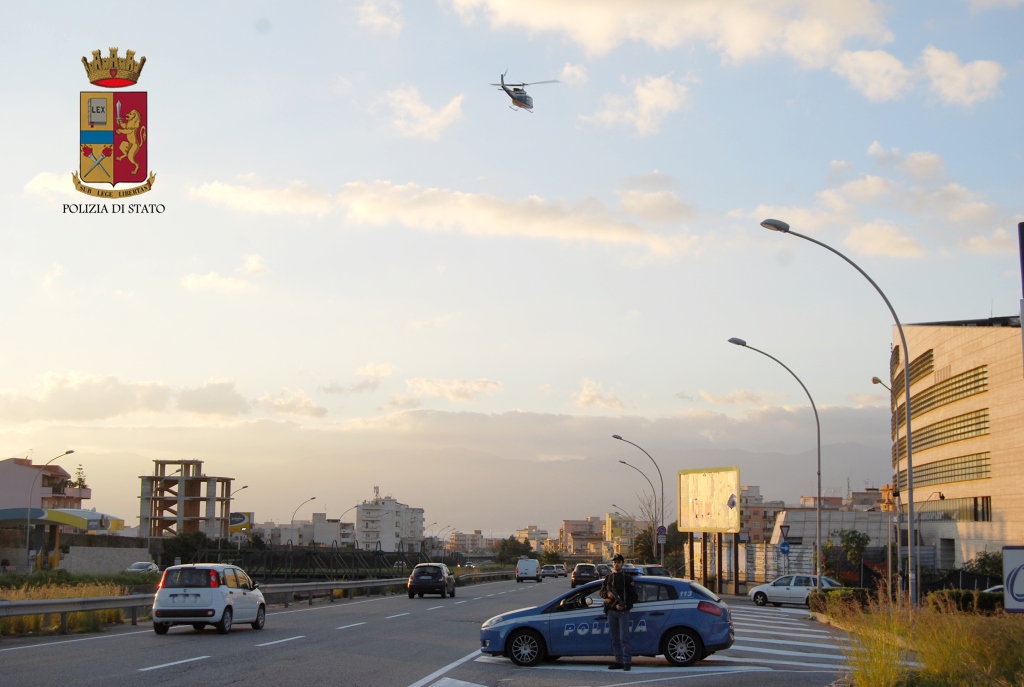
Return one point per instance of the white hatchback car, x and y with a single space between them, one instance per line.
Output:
203 594
789 589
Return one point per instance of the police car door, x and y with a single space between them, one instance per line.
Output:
650 614
576 629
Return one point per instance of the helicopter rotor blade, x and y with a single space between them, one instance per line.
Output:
535 83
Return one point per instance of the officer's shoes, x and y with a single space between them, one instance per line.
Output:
625 667
616 666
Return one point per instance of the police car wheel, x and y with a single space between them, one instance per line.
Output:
526 648
760 599
682 647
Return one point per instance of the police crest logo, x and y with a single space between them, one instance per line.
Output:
113 128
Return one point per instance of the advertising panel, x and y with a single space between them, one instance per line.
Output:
240 523
709 500
1013 579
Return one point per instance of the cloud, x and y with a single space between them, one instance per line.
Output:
216 397
653 181
882 238
656 206
455 390
438 209
989 4
652 100
49 184
738 397
875 74
295 199
591 395
958 84
381 16
810 30
837 171
882 156
372 372
254 265
201 283
869 188
415 119
399 402
52 275
84 397
376 370
287 403
1001 241
432 322
923 165
574 74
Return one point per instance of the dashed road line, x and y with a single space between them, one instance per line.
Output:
432 608
345 627
173 663
399 615
282 641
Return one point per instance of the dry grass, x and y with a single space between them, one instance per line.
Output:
877 650
959 649
89 621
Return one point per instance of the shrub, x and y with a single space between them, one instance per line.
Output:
964 601
839 597
77 622
966 649
876 651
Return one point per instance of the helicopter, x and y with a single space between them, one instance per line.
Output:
517 91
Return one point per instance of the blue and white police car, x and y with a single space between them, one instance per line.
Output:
678 619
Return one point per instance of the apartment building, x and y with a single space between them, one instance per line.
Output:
757 516
384 524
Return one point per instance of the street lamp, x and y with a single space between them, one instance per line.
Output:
653 543
662 518
896 488
444 547
311 498
780 226
28 512
817 531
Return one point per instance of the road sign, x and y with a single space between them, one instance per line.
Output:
662 530
661 538
784 529
784 548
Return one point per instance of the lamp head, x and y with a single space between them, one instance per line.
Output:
942 497
876 380
70 450
616 436
624 462
737 342
775 225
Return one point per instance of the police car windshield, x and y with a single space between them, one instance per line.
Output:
704 591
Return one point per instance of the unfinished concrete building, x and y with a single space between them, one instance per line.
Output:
178 498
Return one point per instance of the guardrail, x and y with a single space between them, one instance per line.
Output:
133 602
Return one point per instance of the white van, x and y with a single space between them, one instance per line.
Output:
528 569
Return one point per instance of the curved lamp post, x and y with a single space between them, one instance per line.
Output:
28 513
780 226
662 479
311 498
896 486
655 542
817 529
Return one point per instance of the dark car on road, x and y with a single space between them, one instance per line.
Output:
583 573
431 578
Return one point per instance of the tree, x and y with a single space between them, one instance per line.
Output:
848 552
986 563
550 558
510 550
79 480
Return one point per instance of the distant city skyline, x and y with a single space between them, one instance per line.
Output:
369 271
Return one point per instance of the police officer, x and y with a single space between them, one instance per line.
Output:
619 594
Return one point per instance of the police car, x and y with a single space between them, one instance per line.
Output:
677 619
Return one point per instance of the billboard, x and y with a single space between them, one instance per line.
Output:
709 500
1013 579
240 523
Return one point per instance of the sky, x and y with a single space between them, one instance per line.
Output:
370 271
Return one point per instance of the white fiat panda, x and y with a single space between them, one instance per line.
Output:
203 594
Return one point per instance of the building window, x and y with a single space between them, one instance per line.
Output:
957 428
953 389
960 469
970 509
923 365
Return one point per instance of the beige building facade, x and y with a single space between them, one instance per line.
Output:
967 400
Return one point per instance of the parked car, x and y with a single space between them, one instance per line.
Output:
207 594
630 569
528 569
548 571
678 619
142 567
789 589
560 568
603 569
431 578
653 570
584 573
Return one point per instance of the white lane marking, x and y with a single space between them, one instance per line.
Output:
436 607
399 615
334 605
175 663
81 639
764 623
345 627
736 659
459 602
798 635
281 641
791 643
802 628
477 598
490 595
438 673
780 652
771 614
697 671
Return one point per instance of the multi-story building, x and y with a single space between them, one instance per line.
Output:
869 499
757 516
319 530
533 534
574 536
619 532
827 502
384 524
180 498
967 396
51 486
